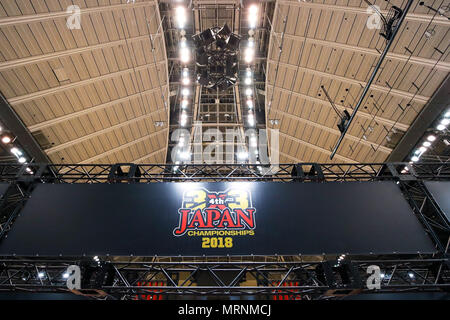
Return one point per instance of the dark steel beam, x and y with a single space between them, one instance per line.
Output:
435 106
15 125
372 77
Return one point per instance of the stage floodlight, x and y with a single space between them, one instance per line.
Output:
253 16
225 32
221 43
249 54
185 55
180 15
207 37
217 57
202 60
6 139
233 42
197 40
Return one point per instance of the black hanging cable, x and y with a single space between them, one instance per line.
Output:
372 77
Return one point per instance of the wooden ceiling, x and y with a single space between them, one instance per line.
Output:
96 95
93 95
327 43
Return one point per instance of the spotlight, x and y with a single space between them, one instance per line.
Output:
248 92
249 54
207 37
415 158
445 122
248 81
22 160
253 16
422 149
65 275
6 139
447 115
427 144
251 120
184 104
185 155
242 155
16 152
440 127
185 55
185 81
233 42
250 103
41 275
225 32
185 73
431 138
183 119
185 92
180 14
411 275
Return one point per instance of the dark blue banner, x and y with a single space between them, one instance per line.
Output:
192 219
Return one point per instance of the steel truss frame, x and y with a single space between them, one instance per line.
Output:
318 277
313 280
146 173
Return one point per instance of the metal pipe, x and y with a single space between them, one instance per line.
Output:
372 77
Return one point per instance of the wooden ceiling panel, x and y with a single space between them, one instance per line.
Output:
92 94
327 43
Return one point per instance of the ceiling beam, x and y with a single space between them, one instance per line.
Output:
14 124
361 114
315 147
424 62
52 122
149 155
418 17
41 17
332 131
123 146
432 110
10 64
374 87
39 94
99 132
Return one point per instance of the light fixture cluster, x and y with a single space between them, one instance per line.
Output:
445 121
248 87
185 80
428 141
8 140
249 54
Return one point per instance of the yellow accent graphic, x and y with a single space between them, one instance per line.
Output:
194 199
241 199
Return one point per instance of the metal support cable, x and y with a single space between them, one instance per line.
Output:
372 77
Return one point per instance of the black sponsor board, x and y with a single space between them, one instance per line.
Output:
440 191
220 218
3 188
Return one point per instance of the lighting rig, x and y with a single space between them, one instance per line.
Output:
9 141
217 57
183 153
427 143
248 88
